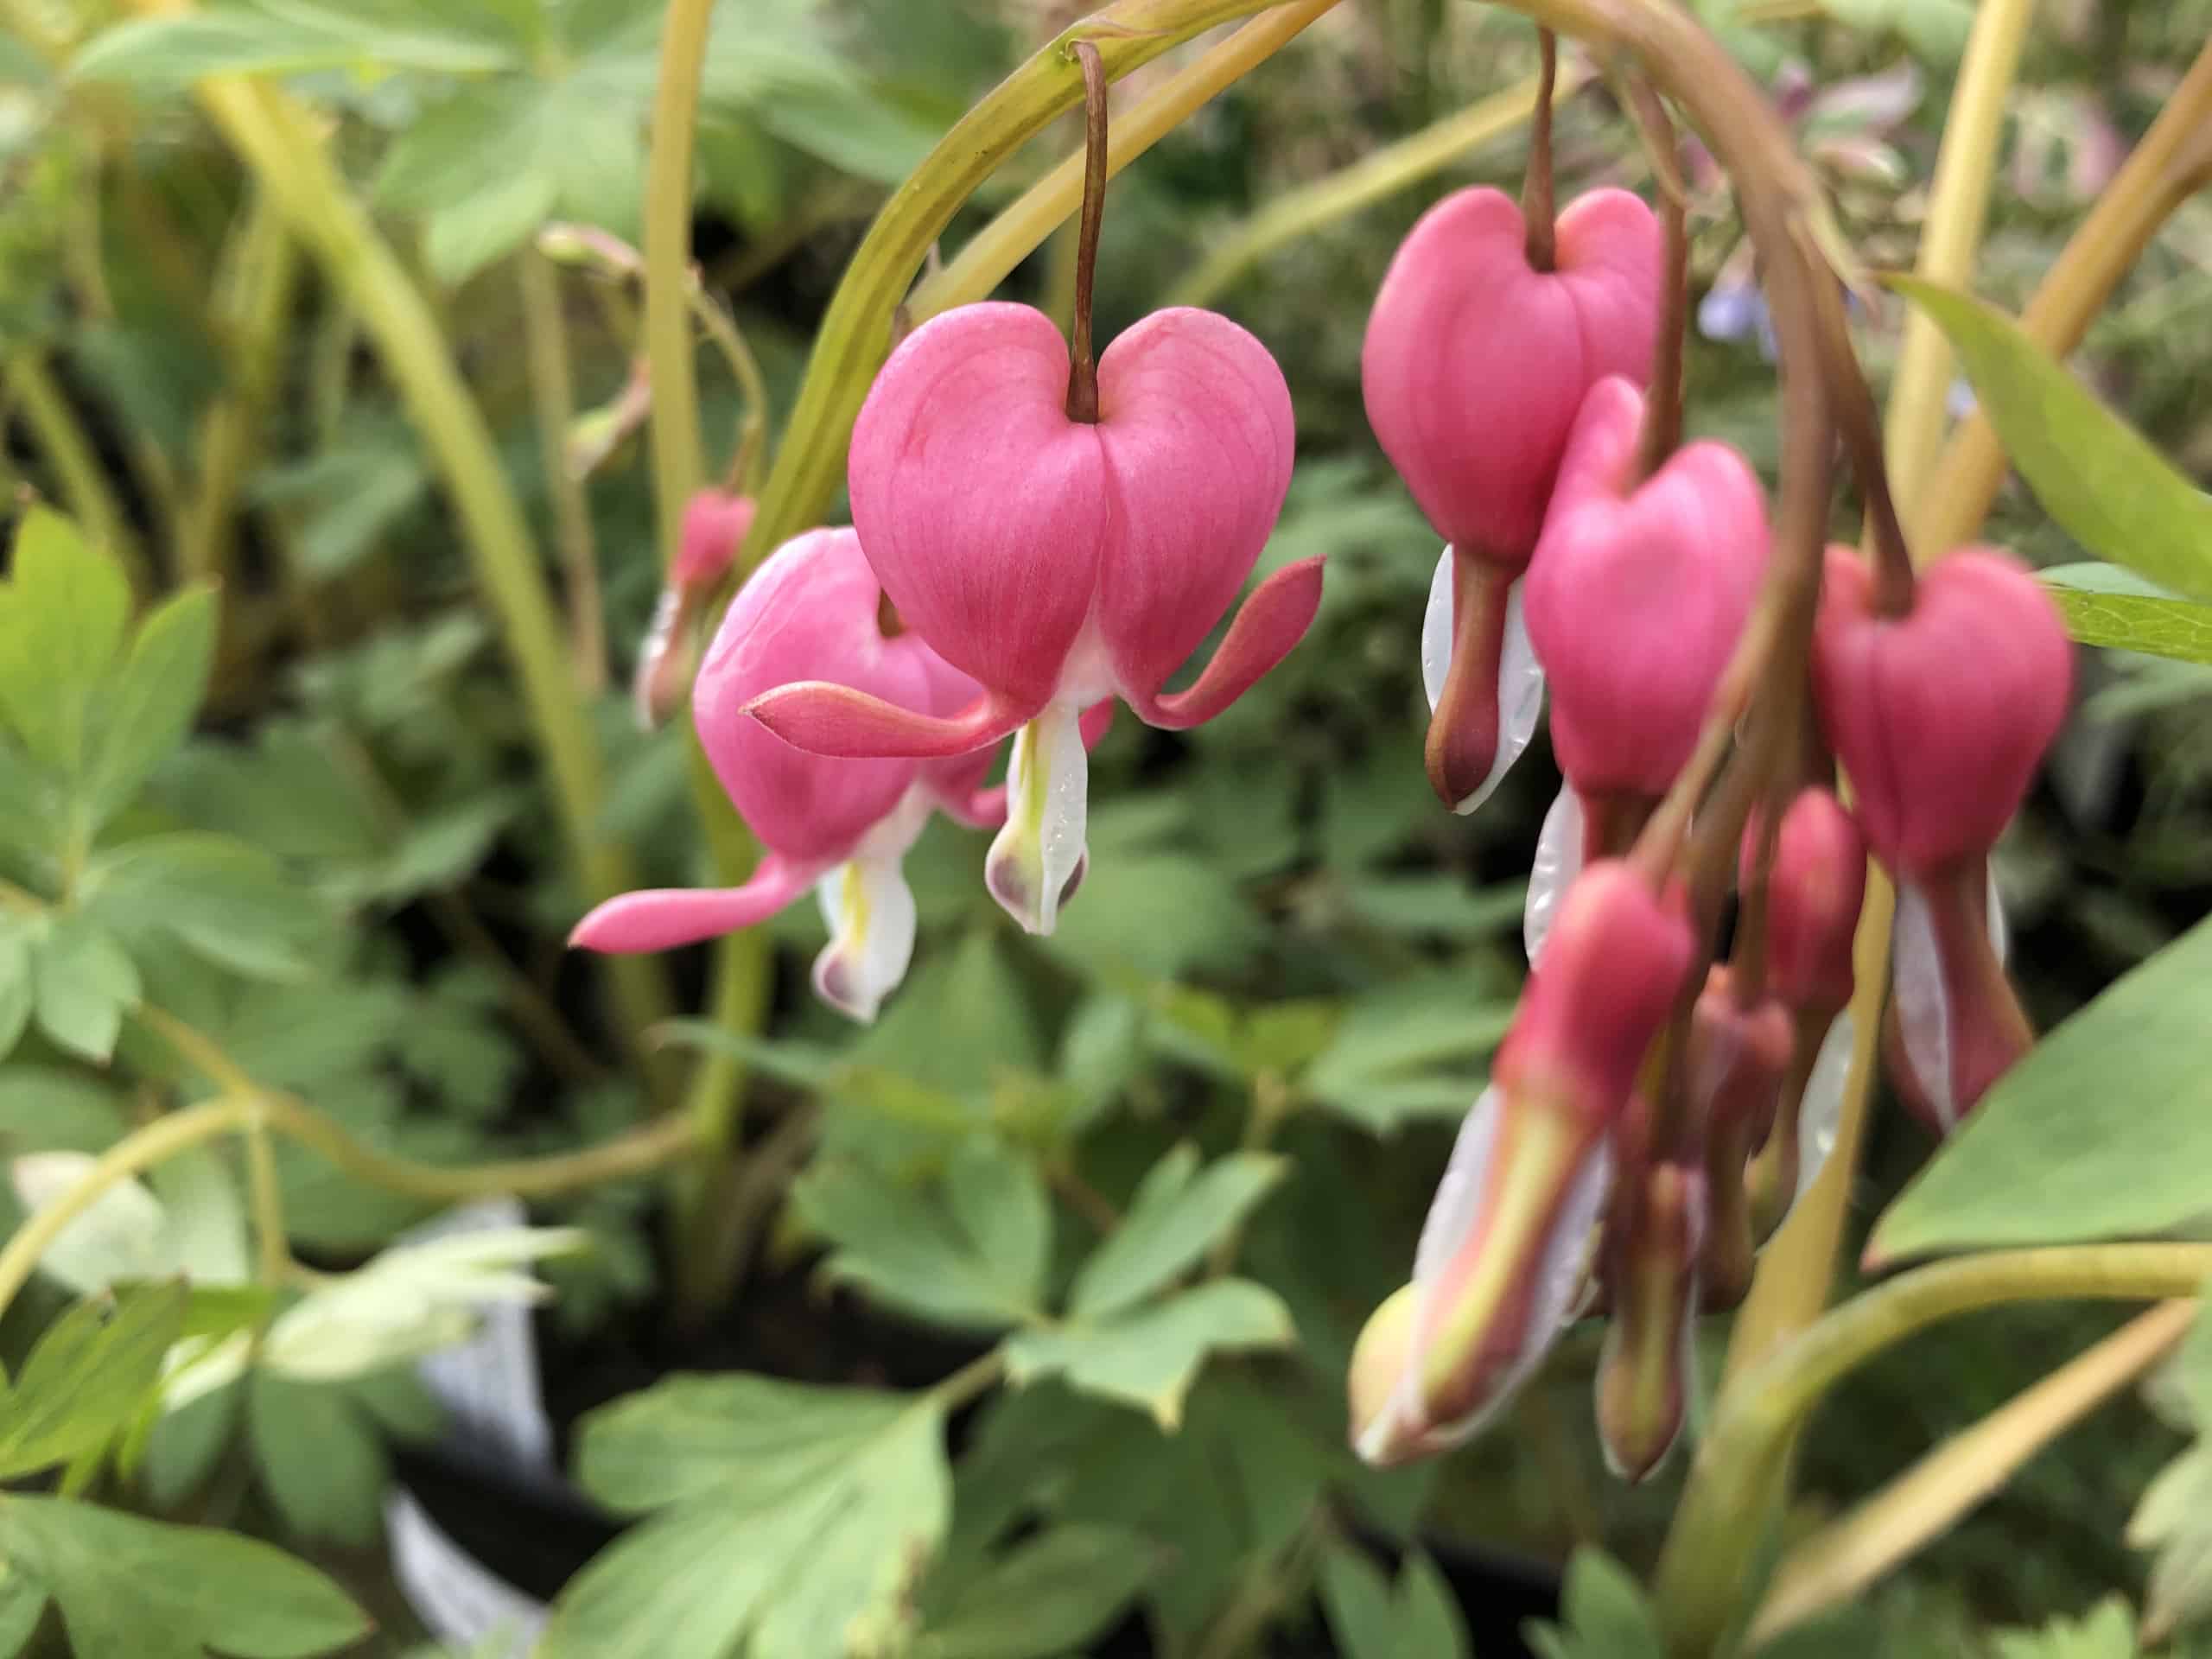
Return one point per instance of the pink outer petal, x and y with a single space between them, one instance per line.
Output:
1272 620
823 719
807 614
1474 365
661 919
983 508
1197 429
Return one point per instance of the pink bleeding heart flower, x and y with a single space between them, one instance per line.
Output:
1813 893
1635 598
1506 1247
1058 562
840 827
1941 717
1473 368
715 527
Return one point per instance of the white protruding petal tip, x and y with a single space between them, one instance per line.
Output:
1039 859
1923 1003
870 910
1557 862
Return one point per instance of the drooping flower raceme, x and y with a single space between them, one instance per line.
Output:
1059 562
1940 717
1634 598
1473 368
714 524
840 827
1505 1249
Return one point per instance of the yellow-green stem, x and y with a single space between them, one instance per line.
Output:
278 142
552 392
76 464
1736 1478
256 299
1384 173
677 469
1792 1283
268 1196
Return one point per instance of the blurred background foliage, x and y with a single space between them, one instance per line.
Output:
1283 943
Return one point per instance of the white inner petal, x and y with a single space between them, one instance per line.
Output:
1558 861
1520 676
1923 1007
2001 934
1436 631
1821 1110
1038 854
870 910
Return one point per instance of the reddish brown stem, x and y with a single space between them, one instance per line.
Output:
1662 412
1463 732
1083 366
1538 197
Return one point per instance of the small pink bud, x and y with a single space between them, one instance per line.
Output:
1653 1241
713 527
1941 715
1475 364
1736 1060
1813 893
1059 563
840 826
1505 1249
1473 368
1637 595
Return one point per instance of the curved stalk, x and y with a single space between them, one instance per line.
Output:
1384 173
1737 1475
677 469
1847 1555
76 466
553 396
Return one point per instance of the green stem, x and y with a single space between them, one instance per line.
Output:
278 142
255 302
76 464
268 1197
552 391
1381 173
677 469
1736 1479
855 333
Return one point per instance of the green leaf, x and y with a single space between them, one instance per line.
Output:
1407 1053
87 1377
23 1602
800 1519
1440 905
1174 1219
150 703
1605 1615
136 1589
2101 1131
16 993
1357 1597
2105 605
294 37
1429 1619
2174 1520
50 1109
976 1260
1045 1597
62 614
2106 1631
228 902
319 1458
1149 1357
84 982
2106 486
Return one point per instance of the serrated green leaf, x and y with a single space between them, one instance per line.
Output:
129 1586
1149 1357
2099 1132
1175 1217
2105 605
800 1518
151 701
225 899
88 1375
84 982
1046 1596
2106 486
974 1261
62 614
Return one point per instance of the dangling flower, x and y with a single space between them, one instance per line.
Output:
1506 1247
1941 717
1654 1236
1473 368
1058 561
1634 598
840 827
715 526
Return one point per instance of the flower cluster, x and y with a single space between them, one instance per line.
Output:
1653 1113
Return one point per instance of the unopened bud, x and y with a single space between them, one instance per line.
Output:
1654 1239
1738 1057
1813 897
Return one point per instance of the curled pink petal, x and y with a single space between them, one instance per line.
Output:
661 919
1273 620
820 718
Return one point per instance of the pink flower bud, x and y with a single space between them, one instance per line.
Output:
1637 594
713 527
1475 364
1059 563
1473 368
1504 1252
1653 1241
1813 892
1738 1057
1940 716
841 825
